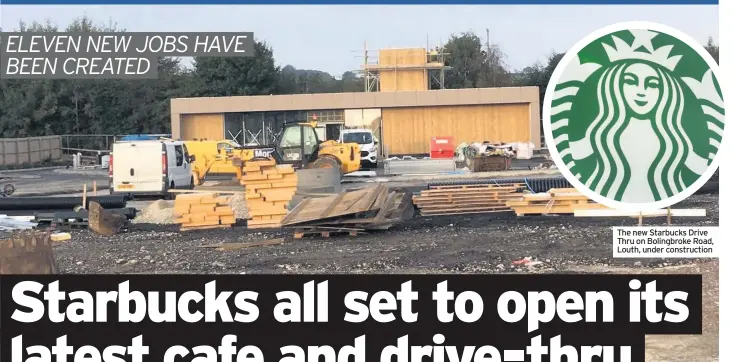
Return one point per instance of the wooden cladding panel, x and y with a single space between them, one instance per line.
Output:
403 80
409 130
202 126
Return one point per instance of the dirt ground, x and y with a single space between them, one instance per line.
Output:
457 244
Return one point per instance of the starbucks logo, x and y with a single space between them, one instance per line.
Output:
634 117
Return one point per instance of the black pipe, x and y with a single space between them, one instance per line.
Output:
60 203
536 184
543 184
128 212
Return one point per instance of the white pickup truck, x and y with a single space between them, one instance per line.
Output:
366 141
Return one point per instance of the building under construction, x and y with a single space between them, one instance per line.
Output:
404 103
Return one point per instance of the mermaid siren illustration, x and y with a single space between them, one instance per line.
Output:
642 132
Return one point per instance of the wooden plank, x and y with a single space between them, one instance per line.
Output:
205 227
489 185
203 208
218 201
271 220
192 198
183 191
261 163
336 200
464 210
223 211
488 211
543 203
377 198
570 197
386 208
471 190
227 220
461 206
427 199
296 211
656 213
271 212
274 225
562 209
369 198
354 202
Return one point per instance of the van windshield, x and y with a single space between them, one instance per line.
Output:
361 138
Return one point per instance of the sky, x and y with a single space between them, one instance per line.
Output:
331 38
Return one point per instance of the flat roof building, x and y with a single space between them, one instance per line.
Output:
404 114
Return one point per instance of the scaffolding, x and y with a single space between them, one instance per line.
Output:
434 68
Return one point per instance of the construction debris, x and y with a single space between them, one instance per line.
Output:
495 161
268 190
373 208
555 201
203 211
27 252
10 223
467 199
75 219
58 237
104 222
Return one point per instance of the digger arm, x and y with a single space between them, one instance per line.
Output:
199 174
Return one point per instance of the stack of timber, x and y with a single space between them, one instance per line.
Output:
555 201
372 208
467 199
203 211
268 190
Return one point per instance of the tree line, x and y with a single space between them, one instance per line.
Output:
56 107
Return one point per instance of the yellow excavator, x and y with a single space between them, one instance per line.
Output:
297 145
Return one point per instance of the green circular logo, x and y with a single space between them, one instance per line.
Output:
634 116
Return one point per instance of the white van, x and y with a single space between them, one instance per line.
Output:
366 141
149 167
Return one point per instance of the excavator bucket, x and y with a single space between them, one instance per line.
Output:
104 222
27 252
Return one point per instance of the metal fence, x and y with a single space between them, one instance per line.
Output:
91 144
30 150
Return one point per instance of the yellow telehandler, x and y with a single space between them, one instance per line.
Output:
297 145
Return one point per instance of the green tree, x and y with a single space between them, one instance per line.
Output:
474 63
42 107
466 59
237 76
713 49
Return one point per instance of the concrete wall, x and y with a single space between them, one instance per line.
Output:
451 97
18 151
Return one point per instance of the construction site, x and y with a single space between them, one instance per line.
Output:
400 178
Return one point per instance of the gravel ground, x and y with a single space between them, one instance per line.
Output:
455 244
466 244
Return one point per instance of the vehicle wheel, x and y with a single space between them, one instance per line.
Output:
191 185
8 189
328 162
